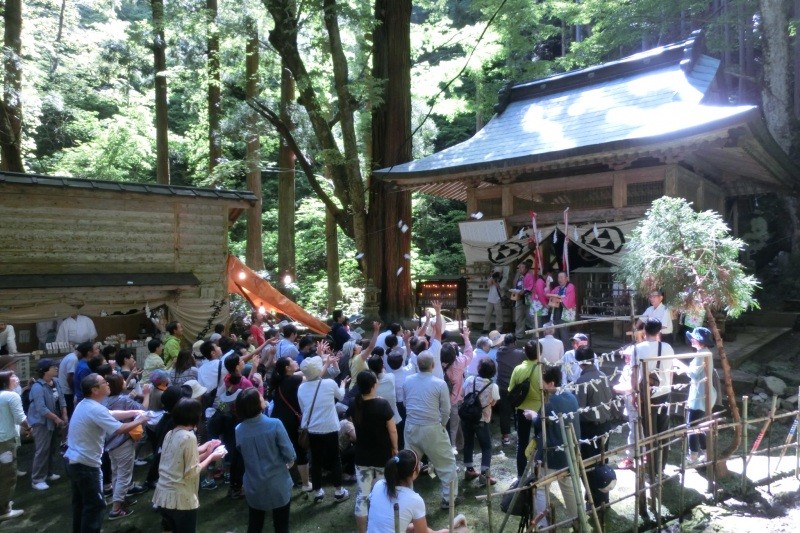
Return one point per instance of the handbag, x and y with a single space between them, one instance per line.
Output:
520 391
303 438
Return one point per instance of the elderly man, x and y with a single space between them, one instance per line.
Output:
427 402
76 329
552 348
91 424
660 312
8 340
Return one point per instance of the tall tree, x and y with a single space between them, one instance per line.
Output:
391 145
214 98
254 254
776 90
286 182
693 258
11 106
160 64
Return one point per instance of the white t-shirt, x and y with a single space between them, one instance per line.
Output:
90 426
472 369
492 392
436 350
662 367
381 508
76 330
662 314
386 390
67 366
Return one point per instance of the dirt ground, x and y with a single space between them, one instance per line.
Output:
757 510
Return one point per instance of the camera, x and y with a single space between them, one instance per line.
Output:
497 276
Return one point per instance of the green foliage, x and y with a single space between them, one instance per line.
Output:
691 256
436 242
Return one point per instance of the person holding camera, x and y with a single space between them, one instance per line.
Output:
494 302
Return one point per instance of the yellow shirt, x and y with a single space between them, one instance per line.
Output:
533 400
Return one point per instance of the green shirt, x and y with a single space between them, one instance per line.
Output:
533 400
171 348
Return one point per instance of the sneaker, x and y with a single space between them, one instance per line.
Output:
40 485
626 464
141 462
208 484
423 469
137 489
235 494
122 512
341 496
483 480
53 477
506 440
20 473
445 505
11 513
319 496
307 488
470 474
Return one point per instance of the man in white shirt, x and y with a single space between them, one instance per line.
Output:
76 329
658 378
8 339
394 329
660 312
552 348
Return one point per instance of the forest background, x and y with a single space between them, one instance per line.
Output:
200 92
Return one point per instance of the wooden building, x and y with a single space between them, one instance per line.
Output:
604 142
100 248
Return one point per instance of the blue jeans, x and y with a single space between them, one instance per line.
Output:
88 504
481 431
523 438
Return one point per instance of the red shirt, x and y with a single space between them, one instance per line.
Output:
257 333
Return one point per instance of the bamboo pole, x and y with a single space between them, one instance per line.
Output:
452 511
711 437
575 448
489 500
582 322
573 471
396 517
683 475
745 401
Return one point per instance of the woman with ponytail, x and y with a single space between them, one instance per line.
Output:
399 473
376 440
283 389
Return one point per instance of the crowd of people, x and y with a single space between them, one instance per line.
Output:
269 411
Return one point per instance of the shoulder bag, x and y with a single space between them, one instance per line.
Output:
303 439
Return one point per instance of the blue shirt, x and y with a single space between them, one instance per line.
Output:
44 399
266 450
564 402
81 371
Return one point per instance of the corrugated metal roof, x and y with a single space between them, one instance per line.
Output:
644 104
118 186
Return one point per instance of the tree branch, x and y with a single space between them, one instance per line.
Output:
341 216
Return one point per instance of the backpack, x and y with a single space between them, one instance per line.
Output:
471 409
520 391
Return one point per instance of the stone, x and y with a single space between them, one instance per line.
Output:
785 371
743 382
775 385
790 403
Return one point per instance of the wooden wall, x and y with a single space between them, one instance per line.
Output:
50 230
